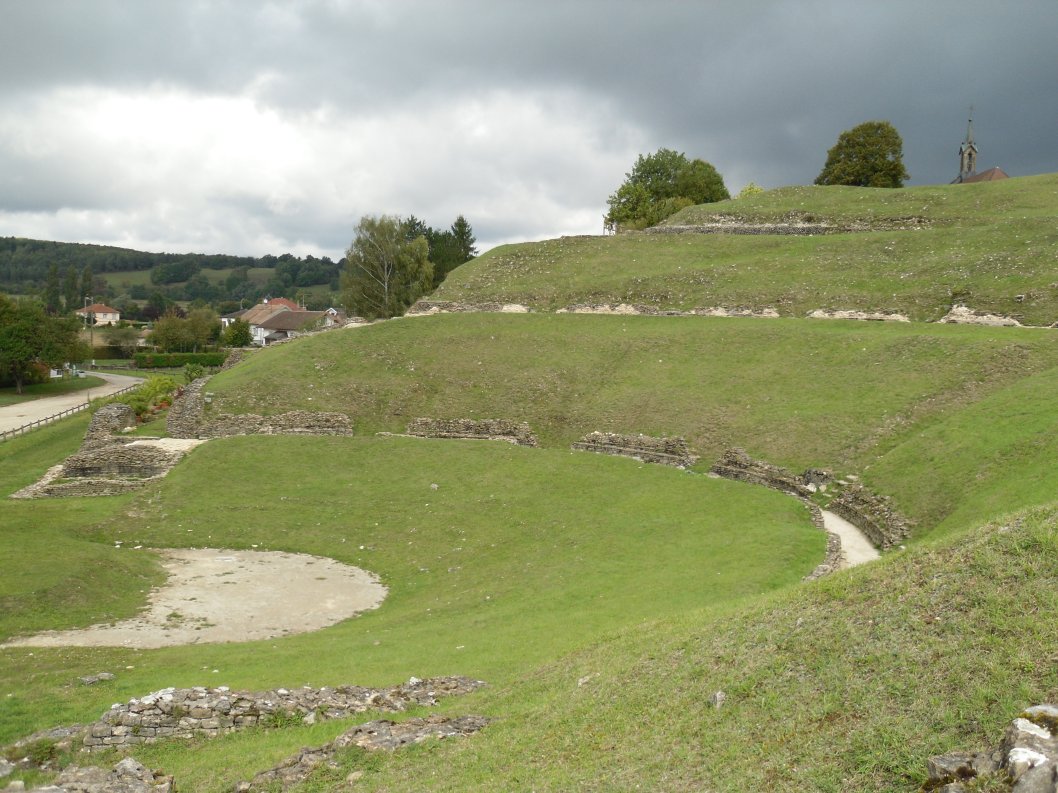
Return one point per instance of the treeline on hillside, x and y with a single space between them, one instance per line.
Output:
63 274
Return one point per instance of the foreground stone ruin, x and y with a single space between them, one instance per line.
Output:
666 451
193 712
381 735
109 463
474 429
1026 761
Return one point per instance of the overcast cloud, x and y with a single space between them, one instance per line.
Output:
251 128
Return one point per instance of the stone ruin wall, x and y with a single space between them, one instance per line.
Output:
106 423
666 451
425 307
119 459
782 229
474 429
187 419
874 515
736 464
193 712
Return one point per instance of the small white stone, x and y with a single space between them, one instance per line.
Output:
1020 760
1033 729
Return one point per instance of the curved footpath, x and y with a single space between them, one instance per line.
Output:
15 416
855 547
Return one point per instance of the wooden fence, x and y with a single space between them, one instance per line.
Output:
5 435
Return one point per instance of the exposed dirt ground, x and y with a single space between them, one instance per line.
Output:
232 596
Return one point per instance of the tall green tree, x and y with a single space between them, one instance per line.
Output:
464 237
86 282
384 271
52 291
71 290
868 155
661 184
31 338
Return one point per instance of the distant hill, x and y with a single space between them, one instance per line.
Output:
24 265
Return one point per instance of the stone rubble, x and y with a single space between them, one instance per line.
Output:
424 308
201 711
380 735
666 451
963 315
867 316
128 776
188 418
1026 761
475 429
874 515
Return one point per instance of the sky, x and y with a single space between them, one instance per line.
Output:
252 128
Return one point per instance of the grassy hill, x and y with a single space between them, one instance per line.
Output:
603 600
981 245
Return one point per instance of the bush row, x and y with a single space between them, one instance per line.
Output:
154 360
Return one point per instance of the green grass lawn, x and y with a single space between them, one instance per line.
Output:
990 246
603 600
519 556
851 397
51 388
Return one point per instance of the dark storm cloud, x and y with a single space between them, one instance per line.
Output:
523 116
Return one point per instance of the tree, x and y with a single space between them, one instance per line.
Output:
52 291
86 282
172 334
30 338
203 327
126 339
868 155
464 237
71 290
237 334
661 184
384 271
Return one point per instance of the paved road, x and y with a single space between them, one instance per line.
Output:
14 416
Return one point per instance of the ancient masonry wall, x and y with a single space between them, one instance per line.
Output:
477 429
107 421
190 712
874 515
188 419
667 451
421 307
736 464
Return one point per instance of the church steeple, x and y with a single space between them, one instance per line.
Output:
968 152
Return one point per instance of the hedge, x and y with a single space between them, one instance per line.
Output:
154 360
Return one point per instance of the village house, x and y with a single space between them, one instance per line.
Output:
99 314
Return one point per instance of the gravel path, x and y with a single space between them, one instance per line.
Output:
855 546
14 416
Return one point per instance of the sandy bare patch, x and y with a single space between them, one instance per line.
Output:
169 444
232 596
